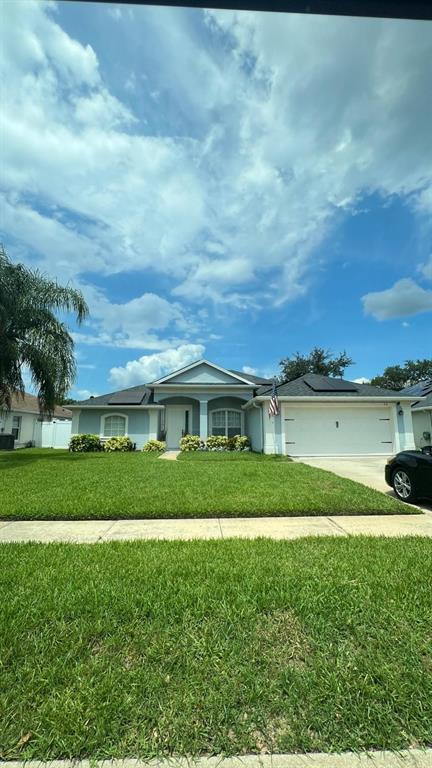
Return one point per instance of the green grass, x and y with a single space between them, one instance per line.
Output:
48 484
230 456
157 648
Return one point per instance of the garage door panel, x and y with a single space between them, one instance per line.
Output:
337 431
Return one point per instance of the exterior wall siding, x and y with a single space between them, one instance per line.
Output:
254 427
29 426
138 428
422 422
272 432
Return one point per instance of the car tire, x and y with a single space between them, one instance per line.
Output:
403 485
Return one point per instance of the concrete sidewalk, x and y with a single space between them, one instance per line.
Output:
407 758
92 531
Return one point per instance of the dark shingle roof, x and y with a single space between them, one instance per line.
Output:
140 395
421 389
313 385
249 377
427 403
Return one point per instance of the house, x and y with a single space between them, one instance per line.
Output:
421 412
318 415
26 424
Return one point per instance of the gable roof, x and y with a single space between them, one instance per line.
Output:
253 379
30 404
140 395
242 378
314 385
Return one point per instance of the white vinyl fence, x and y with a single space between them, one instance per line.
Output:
55 434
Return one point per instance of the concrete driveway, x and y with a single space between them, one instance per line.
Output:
368 470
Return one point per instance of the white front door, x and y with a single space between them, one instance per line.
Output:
178 420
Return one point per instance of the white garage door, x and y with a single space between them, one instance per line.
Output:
334 430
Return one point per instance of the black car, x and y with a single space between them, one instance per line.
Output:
410 474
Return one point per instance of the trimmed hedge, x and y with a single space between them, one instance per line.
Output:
191 443
215 443
85 444
119 443
154 446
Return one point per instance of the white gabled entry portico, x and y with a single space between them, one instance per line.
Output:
338 430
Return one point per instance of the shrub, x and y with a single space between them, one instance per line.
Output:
85 443
217 443
191 443
222 443
119 443
154 446
240 443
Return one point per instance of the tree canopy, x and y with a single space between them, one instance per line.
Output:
31 335
319 361
400 376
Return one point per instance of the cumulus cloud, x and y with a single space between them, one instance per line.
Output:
248 369
262 154
150 367
404 298
84 394
426 269
362 380
135 324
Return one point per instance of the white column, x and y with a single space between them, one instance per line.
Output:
153 424
397 436
409 442
203 419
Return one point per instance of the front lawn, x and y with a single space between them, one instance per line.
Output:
52 484
158 648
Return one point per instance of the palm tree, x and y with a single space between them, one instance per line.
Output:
32 337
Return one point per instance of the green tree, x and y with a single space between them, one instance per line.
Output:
319 361
32 337
400 376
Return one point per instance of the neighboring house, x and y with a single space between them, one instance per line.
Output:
318 415
421 411
26 424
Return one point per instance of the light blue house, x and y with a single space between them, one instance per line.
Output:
318 415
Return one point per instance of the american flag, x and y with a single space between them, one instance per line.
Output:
274 402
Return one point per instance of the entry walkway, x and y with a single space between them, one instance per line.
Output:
92 531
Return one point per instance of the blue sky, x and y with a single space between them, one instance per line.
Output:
236 186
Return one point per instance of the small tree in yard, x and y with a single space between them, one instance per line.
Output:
31 336
319 361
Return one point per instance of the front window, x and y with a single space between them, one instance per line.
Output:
16 427
114 426
226 423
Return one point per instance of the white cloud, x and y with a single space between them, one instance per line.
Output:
84 394
150 367
362 380
403 299
426 269
135 324
260 156
248 369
